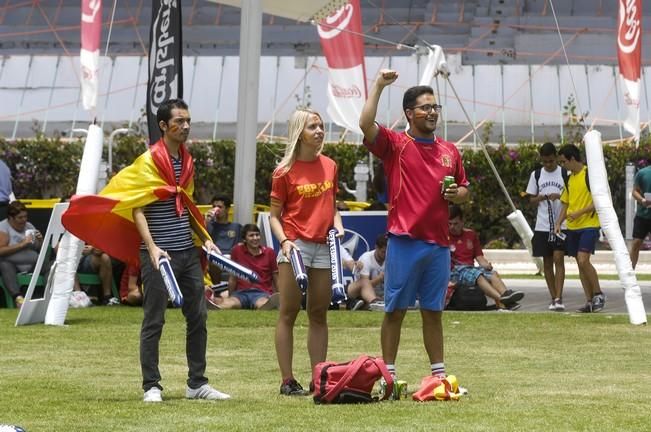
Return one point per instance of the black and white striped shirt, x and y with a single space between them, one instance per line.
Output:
169 231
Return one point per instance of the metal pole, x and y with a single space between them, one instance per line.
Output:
135 93
194 74
503 112
474 108
22 98
483 148
445 114
619 114
74 114
120 131
108 92
49 101
646 101
247 109
531 109
273 102
219 98
560 102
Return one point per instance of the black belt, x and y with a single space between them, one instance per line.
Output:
4 203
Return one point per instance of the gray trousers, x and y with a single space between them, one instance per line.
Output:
23 260
188 273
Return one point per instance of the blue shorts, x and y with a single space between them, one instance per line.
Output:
249 297
582 240
467 275
414 268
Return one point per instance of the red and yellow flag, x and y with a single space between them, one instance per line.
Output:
106 220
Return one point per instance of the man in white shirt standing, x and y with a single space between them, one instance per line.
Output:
544 189
368 287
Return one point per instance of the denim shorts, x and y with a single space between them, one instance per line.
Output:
248 297
315 255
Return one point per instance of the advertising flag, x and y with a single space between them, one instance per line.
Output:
165 60
343 47
91 29
629 52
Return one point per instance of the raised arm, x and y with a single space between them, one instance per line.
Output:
369 111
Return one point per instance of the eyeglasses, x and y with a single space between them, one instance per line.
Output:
429 107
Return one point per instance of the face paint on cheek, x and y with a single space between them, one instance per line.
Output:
420 115
174 128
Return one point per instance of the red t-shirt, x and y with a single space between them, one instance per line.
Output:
465 247
306 194
264 264
415 169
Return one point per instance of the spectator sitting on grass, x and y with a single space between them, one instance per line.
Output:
465 250
261 259
368 286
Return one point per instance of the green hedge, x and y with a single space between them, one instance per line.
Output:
47 168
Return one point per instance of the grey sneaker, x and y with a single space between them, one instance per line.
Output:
598 302
205 392
377 306
154 394
510 297
585 309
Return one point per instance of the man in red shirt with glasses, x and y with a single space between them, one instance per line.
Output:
418 255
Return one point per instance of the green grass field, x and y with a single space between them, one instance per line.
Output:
525 372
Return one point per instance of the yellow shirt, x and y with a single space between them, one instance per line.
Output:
577 197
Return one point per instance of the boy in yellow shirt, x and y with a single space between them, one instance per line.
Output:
582 225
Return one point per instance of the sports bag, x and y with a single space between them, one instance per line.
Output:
350 382
467 298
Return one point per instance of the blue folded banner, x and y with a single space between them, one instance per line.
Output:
336 272
299 269
170 281
232 267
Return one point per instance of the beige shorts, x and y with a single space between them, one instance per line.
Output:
315 255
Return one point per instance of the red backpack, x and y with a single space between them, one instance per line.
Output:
351 382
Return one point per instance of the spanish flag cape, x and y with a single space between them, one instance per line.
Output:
106 221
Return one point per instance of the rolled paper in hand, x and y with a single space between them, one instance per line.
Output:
170 281
336 272
299 269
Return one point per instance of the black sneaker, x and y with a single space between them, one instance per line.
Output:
291 387
585 309
510 297
598 302
358 305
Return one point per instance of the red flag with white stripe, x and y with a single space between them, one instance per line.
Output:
343 47
629 53
91 29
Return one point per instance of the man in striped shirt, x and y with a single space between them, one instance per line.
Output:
166 228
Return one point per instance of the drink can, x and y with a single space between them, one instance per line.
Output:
447 181
399 389
31 232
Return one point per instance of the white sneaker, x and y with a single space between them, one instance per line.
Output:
153 395
560 307
205 392
376 306
552 306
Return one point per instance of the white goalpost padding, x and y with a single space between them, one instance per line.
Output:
53 307
70 247
610 224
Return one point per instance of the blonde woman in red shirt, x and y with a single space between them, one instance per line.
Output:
303 208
